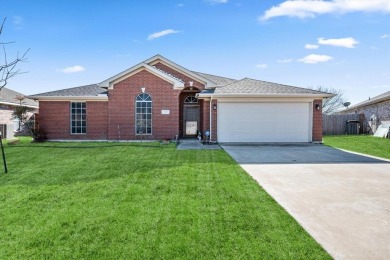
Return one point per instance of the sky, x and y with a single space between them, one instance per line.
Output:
339 44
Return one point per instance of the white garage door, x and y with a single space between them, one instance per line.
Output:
264 122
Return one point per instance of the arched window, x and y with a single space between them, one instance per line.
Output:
190 100
143 114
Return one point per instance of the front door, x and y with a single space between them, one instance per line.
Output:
191 120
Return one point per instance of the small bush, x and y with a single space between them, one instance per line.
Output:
39 135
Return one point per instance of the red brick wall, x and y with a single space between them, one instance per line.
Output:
97 114
54 118
206 116
317 121
121 107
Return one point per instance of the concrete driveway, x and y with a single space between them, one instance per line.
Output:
341 199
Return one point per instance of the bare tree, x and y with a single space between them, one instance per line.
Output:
8 68
332 104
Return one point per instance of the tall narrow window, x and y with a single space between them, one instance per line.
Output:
78 118
143 114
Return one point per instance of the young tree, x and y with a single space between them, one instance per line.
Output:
332 104
24 114
8 68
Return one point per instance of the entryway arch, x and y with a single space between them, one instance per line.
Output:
190 112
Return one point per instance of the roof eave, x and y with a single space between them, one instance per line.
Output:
69 98
205 95
366 103
108 83
217 95
17 105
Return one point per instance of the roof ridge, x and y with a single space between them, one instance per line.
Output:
212 75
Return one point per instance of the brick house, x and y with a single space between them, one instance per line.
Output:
159 99
375 110
10 99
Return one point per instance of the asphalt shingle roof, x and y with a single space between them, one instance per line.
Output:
253 86
220 81
10 96
83 91
379 98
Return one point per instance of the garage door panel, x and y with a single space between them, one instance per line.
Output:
263 122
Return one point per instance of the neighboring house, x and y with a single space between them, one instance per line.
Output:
376 110
159 99
10 99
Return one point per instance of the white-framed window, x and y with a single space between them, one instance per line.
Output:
78 118
143 114
191 100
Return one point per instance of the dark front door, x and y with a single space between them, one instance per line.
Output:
191 120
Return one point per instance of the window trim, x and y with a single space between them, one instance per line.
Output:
136 113
192 97
70 118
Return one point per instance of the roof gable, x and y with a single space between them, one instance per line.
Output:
109 83
160 59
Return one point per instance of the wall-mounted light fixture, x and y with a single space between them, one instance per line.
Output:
191 83
215 106
317 107
143 90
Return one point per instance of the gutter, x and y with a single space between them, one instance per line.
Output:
69 98
272 95
18 105
250 95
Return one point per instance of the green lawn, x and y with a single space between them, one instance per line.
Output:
139 201
360 143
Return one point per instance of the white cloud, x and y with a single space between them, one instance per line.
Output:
341 42
180 5
385 36
214 2
312 8
73 69
311 46
161 34
285 61
315 58
261 66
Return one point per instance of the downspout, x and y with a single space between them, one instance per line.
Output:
211 101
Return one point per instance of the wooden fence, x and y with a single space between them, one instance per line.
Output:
335 124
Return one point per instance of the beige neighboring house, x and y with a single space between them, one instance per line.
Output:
10 99
376 111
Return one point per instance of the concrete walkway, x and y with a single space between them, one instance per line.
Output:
195 144
343 202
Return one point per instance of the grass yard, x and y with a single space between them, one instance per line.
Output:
139 201
360 143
